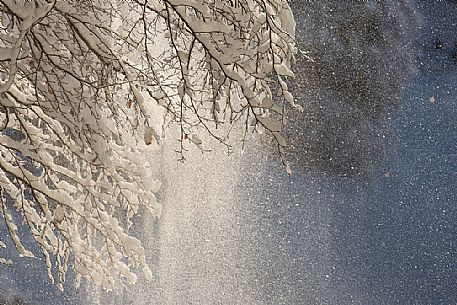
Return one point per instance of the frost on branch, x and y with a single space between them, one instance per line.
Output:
86 85
226 55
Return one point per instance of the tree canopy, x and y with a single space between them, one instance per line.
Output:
85 85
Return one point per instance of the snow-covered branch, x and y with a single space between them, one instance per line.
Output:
86 85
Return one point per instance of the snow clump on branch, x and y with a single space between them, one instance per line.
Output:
85 86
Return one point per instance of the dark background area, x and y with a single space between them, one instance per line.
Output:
369 216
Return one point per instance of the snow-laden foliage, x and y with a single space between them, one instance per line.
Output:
86 84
